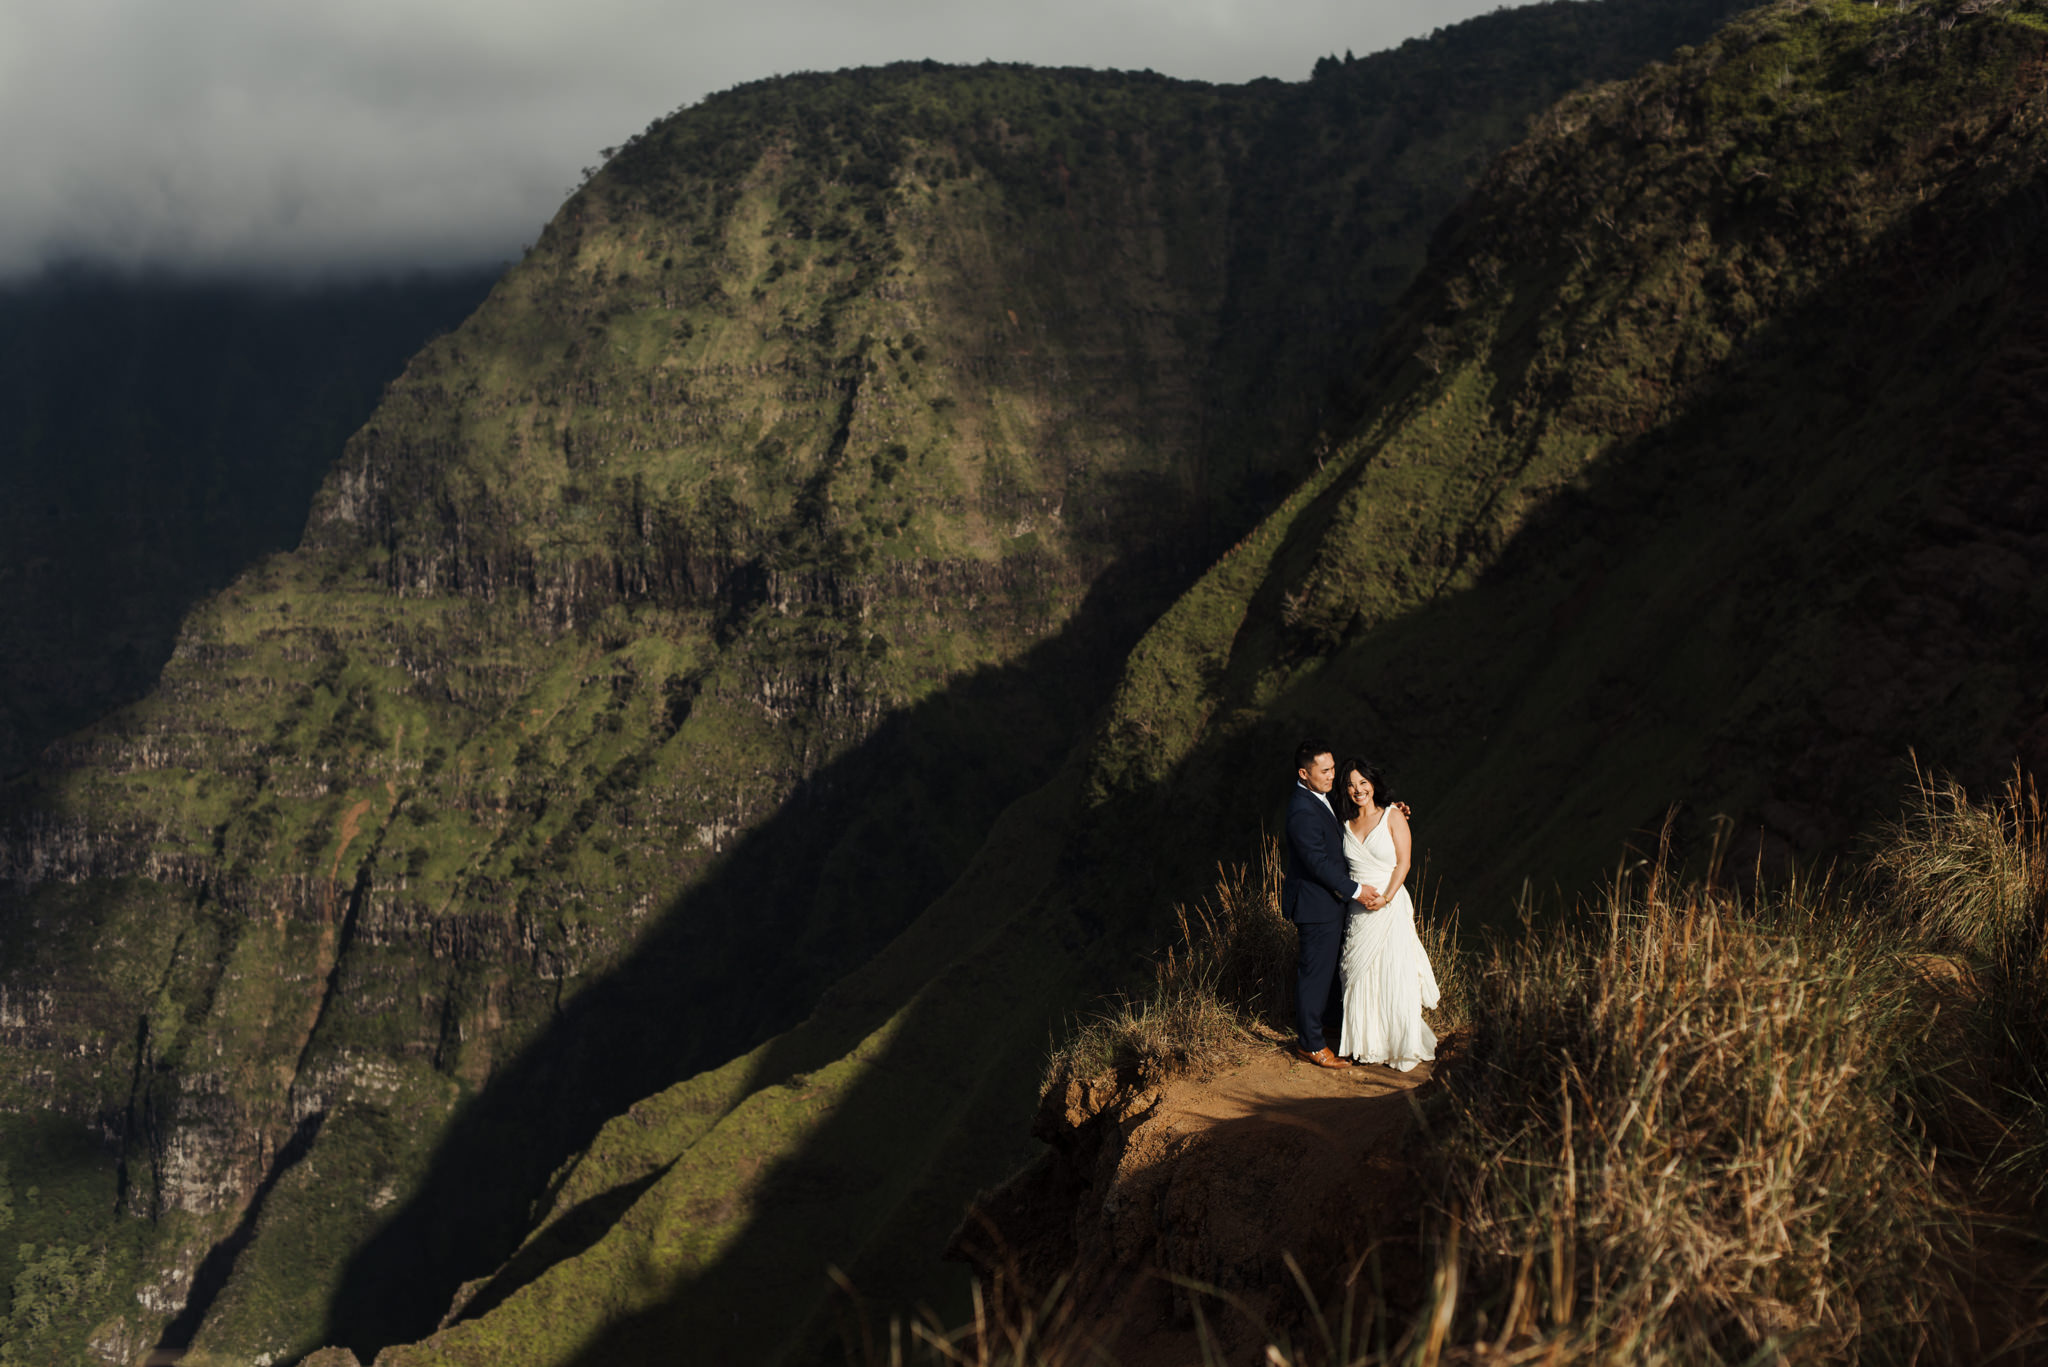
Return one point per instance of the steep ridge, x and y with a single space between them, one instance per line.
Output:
1700 470
673 635
1714 424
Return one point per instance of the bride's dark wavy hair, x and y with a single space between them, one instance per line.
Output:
1346 808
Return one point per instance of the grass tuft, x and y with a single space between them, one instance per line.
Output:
1004 1332
1973 878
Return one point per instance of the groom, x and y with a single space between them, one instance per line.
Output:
1315 895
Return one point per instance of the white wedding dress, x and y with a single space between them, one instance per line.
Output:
1387 977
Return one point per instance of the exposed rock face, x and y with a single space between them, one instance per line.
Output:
675 631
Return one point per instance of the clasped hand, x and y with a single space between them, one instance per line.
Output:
1370 898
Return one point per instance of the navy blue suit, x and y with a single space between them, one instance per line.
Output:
1316 896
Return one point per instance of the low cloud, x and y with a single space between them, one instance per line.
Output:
245 135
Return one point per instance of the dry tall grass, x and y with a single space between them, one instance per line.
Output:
1972 878
1675 1139
1442 941
1691 1127
1972 882
1002 1333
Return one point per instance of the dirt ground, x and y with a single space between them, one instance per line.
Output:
1212 1181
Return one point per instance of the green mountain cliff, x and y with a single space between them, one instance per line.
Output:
1712 421
664 648
1698 471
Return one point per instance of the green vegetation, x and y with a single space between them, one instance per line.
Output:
1674 489
52 1280
61 1260
1659 467
760 672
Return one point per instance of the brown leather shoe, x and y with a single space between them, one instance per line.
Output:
1322 1058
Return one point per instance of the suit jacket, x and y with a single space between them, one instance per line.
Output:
1319 884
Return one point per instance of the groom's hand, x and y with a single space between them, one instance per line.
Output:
1402 808
1366 896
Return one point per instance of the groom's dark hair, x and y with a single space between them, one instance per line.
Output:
1306 752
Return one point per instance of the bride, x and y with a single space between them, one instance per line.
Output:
1387 977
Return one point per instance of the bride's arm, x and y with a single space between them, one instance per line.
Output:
1397 827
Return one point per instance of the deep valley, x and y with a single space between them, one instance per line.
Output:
751 685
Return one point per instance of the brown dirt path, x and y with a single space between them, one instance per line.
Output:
1214 1180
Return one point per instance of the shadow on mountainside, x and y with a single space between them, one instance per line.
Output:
938 1113
1265 1122
768 915
157 436
1755 609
